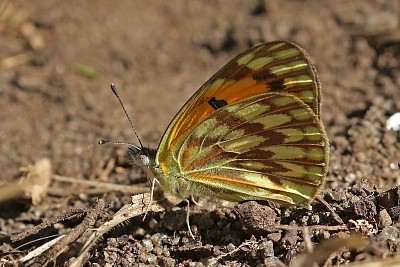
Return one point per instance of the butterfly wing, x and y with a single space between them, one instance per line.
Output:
276 66
266 147
252 131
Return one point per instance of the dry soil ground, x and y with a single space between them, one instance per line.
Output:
57 59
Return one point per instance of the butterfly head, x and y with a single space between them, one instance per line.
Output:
143 157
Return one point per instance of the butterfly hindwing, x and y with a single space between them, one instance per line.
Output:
267 147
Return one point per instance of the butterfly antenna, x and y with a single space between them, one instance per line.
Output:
115 91
104 142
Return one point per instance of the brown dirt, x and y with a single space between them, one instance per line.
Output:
158 53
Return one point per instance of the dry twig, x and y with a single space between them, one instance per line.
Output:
127 212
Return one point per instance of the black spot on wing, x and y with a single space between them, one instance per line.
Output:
216 104
274 82
276 85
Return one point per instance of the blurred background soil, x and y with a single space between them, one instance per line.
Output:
58 58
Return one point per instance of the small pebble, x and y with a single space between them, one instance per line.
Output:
230 247
384 219
275 237
147 244
390 233
393 123
337 196
266 248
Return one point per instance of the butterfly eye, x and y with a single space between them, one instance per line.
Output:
145 160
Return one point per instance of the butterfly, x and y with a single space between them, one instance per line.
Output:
253 131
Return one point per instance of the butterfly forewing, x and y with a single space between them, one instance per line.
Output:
276 66
266 147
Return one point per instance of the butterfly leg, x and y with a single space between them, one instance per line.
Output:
153 185
194 201
187 217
